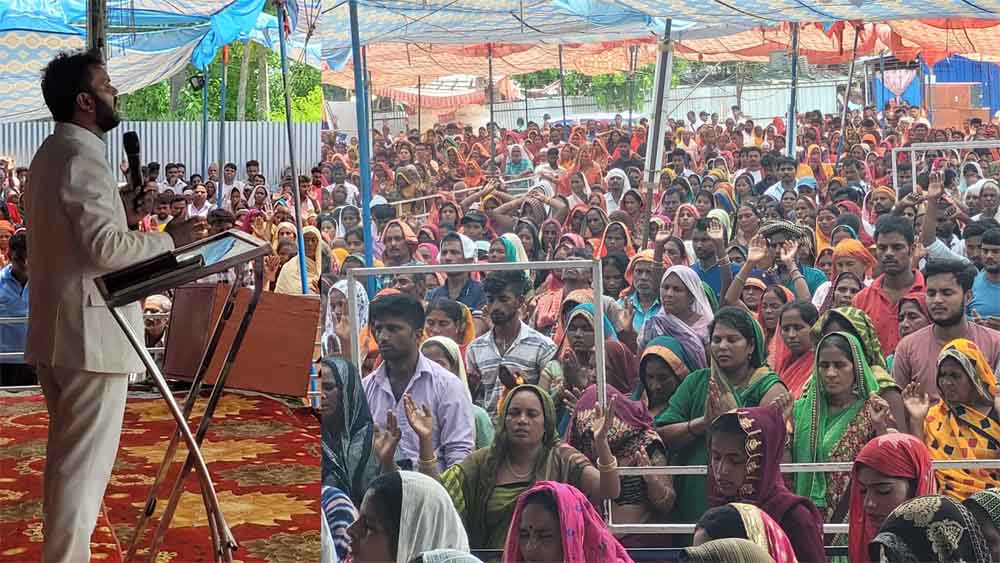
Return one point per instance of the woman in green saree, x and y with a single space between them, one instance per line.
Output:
857 323
526 449
836 416
738 377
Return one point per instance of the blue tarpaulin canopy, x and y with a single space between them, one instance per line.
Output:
149 41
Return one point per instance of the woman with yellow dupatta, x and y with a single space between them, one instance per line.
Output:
964 424
290 276
839 413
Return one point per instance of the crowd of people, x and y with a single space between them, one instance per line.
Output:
758 308
807 309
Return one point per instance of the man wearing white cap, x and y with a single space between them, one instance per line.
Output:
457 248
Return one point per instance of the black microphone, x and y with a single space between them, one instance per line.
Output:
131 141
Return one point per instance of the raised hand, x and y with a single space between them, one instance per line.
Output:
880 412
570 396
602 420
662 236
717 234
935 189
420 418
626 317
272 264
712 407
757 252
386 440
789 252
917 402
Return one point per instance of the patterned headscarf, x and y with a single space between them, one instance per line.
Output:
930 528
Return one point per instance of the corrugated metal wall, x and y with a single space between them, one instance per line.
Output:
759 102
166 141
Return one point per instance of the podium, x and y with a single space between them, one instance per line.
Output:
228 251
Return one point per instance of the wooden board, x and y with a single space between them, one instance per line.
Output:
276 353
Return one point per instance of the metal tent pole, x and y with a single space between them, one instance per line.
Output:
364 140
492 127
793 101
661 83
420 102
632 56
562 91
847 94
204 131
222 123
97 13
526 118
291 145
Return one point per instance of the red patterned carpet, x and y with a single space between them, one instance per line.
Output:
263 457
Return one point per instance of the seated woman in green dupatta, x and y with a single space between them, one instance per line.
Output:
857 323
526 449
738 377
838 414
662 367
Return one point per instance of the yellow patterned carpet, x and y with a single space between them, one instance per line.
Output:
263 457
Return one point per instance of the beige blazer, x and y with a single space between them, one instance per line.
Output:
77 230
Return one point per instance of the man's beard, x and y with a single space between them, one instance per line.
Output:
106 116
950 321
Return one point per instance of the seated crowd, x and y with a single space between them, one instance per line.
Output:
757 309
772 310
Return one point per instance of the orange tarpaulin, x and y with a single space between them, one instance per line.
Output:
400 65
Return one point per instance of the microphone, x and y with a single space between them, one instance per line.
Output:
131 142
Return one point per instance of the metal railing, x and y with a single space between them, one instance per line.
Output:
924 147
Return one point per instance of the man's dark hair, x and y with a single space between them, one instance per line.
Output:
722 522
979 228
618 259
230 166
65 77
893 224
220 216
702 224
18 246
170 166
383 211
552 151
748 150
355 232
253 163
964 272
681 153
498 282
397 306
153 166
991 237
787 161
165 199
177 198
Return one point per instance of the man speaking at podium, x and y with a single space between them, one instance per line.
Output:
81 227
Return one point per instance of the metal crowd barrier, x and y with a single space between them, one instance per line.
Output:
923 147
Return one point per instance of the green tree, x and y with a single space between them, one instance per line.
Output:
152 103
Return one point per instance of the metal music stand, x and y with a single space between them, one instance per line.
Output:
230 250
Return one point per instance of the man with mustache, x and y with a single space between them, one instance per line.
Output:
950 290
894 252
82 358
511 345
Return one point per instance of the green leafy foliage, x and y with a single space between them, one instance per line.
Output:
152 103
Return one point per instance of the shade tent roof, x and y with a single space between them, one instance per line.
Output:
450 92
398 65
163 37
771 12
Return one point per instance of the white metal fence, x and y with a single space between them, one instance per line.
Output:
181 141
760 102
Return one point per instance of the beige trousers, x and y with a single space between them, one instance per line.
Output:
85 423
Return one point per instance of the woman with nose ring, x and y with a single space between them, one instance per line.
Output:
964 424
745 452
526 449
888 471
838 414
738 377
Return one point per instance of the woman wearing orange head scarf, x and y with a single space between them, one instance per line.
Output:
616 238
849 255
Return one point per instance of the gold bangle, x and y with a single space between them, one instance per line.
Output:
612 466
431 461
